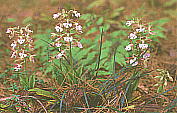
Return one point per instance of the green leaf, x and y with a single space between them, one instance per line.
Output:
43 93
107 44
27 20
24 82
80 71
32 81
170 3
106 27
99 21
160 34
40 40
156 85
49 68
120 59
160 89
86 16
92 30
81 54
86 41
160 22
135 84
95 3
118 33
105 53
108 65
89 58
117 12
157 76
92 66
171 12
103 73
11 20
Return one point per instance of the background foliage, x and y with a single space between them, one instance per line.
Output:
101 77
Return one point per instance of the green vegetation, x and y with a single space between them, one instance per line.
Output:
106 59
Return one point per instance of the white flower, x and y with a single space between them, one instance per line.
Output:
60 55
8 30
67 25
140 29
79 45
29 39
146 55
31 58
143 46
76 24
79 27
76 14
14 54
56 40
58 44
13 45
129 23
128 48
17 67
56 15
132 36
28 30
58 28
21 41
68 39
133 62
22 55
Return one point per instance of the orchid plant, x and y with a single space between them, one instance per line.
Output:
22 48
139 52
67 29
139 42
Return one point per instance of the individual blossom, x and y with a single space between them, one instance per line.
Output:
31 58
22 55
129 23
67 25
13 45
128 47
59 55
79 27
58 44
17 67
68 39
76 14
143 46
79 45
146 56
20 40
14 54
132 36
134 61
150 30
140 29
56 15
58 28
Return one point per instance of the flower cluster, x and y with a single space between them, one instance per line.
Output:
21 45
139 42
67 29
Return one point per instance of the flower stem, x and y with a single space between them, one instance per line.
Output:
97 66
